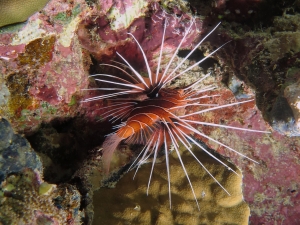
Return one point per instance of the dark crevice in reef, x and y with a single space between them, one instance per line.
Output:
254 14
64 144
269 79
198 55
268 9
94 67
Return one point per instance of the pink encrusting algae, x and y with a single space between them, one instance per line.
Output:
155 115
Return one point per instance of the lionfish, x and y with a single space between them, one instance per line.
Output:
157 116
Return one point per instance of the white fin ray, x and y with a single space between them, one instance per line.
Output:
145 58
175 53
226 126
108 96
118 83
133 70
160 52
181 162
153 162
170 78
218 142
193 104
168 167
111 76
214 108
115 110
133 163
144 156
124 71
191 152
185 58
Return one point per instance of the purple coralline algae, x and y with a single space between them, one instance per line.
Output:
33 59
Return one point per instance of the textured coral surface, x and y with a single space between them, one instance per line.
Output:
13 11
45 63
129 204
26 199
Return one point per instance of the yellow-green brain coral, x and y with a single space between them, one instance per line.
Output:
15 11
129 204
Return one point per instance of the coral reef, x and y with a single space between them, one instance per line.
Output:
268 60
129 204
44 65
26 199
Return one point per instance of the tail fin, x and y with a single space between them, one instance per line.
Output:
109 146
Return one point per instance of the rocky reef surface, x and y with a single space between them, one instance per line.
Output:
16 152
44 67
24 197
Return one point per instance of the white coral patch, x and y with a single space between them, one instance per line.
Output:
120 19
67 35
30 32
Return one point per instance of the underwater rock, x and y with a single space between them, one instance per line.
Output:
292 93
26 199
102 38
129 203
265 60
42 69
16 153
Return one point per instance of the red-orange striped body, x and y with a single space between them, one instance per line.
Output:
148 112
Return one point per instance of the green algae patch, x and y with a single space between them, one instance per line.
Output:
66 17
48 108
38 52
73 101
46 188
283 44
